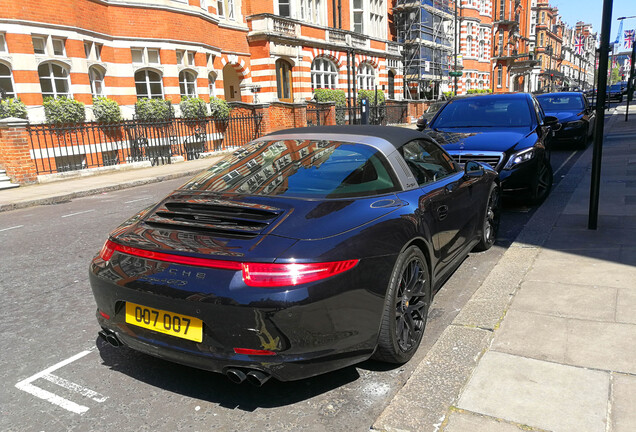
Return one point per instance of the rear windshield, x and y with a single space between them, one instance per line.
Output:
484 112
300 168
561 102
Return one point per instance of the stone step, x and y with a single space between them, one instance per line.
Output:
8 185
5 181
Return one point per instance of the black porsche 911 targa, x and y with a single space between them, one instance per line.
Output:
305 251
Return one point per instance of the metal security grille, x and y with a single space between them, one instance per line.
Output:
59 148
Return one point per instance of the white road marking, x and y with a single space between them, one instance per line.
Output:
135 200
25 385
566 161
10 228
97 397
78 213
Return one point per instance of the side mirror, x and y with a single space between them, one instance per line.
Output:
552 122
421 123
473 169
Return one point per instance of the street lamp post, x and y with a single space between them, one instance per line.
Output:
595 183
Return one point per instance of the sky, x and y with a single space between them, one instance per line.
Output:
591 11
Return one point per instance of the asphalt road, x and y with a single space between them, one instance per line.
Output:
59 377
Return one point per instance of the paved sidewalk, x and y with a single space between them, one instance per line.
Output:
64 190
548 342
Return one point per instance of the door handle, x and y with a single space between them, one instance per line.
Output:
442 212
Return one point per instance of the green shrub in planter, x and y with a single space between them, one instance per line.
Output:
63 110
12 107
193 108
449 94
106 110
370 95
151 110
331 95
219 108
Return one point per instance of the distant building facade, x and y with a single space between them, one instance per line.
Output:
238 50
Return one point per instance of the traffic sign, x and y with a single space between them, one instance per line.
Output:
455 73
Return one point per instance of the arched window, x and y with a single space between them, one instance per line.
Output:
323 74
469 46
391 84
53 80
366 77
6 82
96 78
482 49
284 81
212 84
148 84
187 84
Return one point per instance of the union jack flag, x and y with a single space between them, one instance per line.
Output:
629 39
578 45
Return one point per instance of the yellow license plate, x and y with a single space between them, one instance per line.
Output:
181 326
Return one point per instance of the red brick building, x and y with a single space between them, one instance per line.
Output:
512 60
238 50
476 44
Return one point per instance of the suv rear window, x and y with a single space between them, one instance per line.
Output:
300 168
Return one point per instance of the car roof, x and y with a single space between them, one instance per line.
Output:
564 93
517 95
391 134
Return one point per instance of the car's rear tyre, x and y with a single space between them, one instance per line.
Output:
490 224
542 182
406 307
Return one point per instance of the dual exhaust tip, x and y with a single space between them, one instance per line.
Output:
110 337
254 377
237 376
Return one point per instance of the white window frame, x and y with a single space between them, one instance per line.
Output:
312 11
372 16
147 82
366 77
357 12
3 44
289 4
145 57
324 73
54 80
93 50
62 41
96 76
225 9
187 87
12 93
44 43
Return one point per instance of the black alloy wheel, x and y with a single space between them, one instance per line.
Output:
490 226
542 182
405 309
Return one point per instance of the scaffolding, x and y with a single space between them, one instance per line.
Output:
426 28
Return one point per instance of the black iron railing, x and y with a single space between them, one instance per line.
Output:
56 148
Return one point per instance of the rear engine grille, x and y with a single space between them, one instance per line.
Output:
493 159
214 217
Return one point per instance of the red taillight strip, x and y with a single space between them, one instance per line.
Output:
254 274
173 258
